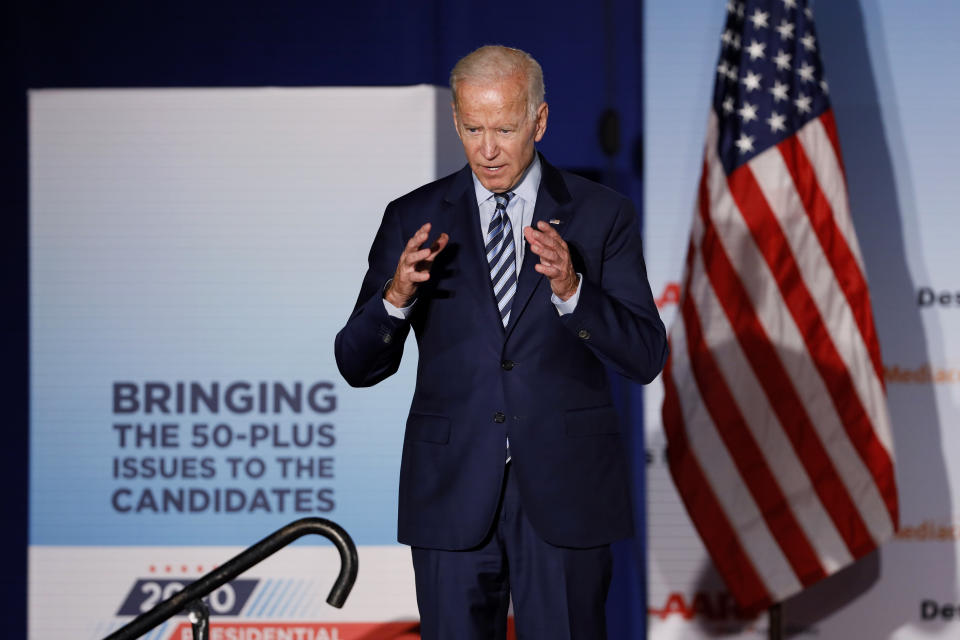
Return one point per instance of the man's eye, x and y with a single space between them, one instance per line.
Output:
472 129
506 130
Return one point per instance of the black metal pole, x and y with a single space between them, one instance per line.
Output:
775 622
243 561
199 616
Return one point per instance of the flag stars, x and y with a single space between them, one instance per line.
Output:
777 122
744 143
751 81
786 30
766 96
731 39
748 112
782 60
779 91
735 8
755 50
807 11
759 19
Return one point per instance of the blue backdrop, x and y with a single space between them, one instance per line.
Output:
591 54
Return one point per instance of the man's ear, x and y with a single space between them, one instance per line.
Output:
541 124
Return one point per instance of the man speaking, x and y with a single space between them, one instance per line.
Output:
522 284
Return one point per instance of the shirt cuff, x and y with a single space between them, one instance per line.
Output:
564 306
401 313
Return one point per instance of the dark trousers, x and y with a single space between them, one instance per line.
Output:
558 592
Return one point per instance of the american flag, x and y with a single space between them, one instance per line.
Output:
774 409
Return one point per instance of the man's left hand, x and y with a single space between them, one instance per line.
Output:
555 260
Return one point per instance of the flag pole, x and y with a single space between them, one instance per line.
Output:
775 622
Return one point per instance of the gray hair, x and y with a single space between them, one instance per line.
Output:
495 63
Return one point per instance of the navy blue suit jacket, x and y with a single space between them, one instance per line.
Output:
541 381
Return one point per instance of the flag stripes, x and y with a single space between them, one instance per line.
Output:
774 407
741 445
723 544
796 451
844 261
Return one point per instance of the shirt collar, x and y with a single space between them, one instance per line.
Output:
526 188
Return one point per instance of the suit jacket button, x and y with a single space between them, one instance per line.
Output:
507 365
387 338
583 333
499 417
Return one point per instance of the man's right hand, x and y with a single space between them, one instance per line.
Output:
414 267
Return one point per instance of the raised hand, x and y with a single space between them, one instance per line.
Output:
414 267
555 262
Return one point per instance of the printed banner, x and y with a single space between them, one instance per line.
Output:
193 254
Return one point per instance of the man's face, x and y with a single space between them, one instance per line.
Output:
497 131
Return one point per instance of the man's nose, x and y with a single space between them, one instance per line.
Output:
488 146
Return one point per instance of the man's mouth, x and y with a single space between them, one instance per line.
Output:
493 169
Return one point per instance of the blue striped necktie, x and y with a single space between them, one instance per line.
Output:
502 257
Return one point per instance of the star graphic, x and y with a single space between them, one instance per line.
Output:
803 104
732 73
728 105
748 112
789 4
809 42
779 91
759 19
785 29
755 50
825 86
744 143
777 122
805 72
751 81
782 60
727 37
722 68
807 11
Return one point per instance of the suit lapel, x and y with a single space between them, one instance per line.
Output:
552 200
464 223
